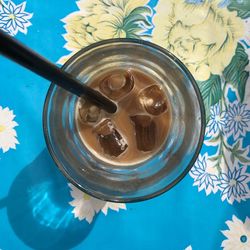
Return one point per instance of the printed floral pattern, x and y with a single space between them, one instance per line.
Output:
238 234
229 162
85 206
217 120
246 39
98 20
205 175
95 21
238 119
212 37
233 185
220 64
8 134
216 59
183 28
14 18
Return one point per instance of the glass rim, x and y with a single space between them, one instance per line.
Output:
201 108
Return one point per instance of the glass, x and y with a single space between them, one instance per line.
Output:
143 180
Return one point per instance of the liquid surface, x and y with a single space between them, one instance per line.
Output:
138 128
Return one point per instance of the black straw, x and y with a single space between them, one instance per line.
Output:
31 60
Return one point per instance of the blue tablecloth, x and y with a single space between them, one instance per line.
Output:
208 209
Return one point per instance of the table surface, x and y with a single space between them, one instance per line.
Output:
208 209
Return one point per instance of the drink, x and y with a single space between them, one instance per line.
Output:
149 144
139 127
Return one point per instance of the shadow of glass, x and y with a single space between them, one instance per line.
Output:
38 207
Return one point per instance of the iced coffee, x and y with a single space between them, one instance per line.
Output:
138 128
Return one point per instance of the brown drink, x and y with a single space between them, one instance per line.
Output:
138 128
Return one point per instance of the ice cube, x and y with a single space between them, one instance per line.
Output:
88 112
110 139
117 85
145 131
153 99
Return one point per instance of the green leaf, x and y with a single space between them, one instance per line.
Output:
242 84
215 158
141 10
235 72
232 158
211 92
214 139
134 36
130 25
242 8
236 145
133 31
132 19
218 169
240 152
137 21
242 159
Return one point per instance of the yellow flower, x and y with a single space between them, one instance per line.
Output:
102 19
79 33
203 36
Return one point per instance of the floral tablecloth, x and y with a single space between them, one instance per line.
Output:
209 209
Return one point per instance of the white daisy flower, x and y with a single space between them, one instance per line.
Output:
237 119
7 133
234 185
14 18
238 234
217 121
86 206
113 206
205 174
